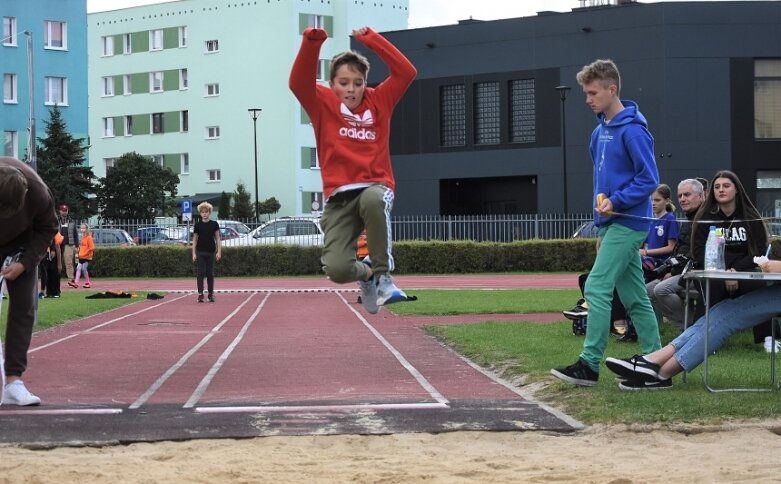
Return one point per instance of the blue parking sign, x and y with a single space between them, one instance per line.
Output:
187 206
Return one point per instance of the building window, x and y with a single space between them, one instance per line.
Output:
156 81
314 162
11 144
127 44
184 167
213 175
213 89
157 123
9 31
128 125
9 88
126 85
109 163
452 115
767 99
55 35
323 73
158 159
56 91
107 43
315 21
184 121
487 113
523 111
212 132
155 40
182 78
212 46
108 127
108 86
182 36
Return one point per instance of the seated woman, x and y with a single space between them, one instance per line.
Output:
745 236
654 371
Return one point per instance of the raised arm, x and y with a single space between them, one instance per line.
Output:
402 72
303 76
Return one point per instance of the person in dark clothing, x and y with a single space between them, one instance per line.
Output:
745 235
206 249
70 240
29 224
51 268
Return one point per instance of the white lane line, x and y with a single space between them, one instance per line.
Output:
173 369
201 389
323 408
62 411
422 381
111 321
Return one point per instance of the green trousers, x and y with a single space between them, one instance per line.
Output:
618 266
345 215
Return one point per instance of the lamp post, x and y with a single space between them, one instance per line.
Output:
255 112
563 94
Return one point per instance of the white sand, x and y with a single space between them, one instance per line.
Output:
747 453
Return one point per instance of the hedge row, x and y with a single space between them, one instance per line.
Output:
411 257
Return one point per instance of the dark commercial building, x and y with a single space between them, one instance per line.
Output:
480 130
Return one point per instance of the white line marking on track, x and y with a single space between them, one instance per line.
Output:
201 389
323 408
173 369
62 411
404 362
111 321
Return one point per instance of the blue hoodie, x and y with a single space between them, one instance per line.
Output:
624 167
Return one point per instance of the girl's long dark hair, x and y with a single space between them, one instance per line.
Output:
744 210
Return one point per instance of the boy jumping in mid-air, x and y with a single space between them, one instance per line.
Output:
352 127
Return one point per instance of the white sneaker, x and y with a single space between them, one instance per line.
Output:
769 345
387 292
369 291
17 394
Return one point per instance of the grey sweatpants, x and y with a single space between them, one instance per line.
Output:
345 215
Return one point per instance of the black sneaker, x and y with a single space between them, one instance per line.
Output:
578 374
579 311
200 297
211 297
655 384
634 368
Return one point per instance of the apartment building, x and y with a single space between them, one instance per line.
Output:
53 33
178 82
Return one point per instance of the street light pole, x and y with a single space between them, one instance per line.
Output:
32 150
563 94
255 112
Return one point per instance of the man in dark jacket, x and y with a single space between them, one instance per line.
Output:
28 226
667 294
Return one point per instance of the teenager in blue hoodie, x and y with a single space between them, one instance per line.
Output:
625 176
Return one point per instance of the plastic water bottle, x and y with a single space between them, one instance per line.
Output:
712 250
720 264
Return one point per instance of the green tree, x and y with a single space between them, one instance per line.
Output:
61 166
135 188
269 206
242 205
225 206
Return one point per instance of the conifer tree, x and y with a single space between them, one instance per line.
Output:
242 205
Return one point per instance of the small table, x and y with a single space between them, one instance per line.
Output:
709 276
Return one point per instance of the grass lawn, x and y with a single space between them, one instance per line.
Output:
526 352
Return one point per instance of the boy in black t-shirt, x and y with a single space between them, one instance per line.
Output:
206 249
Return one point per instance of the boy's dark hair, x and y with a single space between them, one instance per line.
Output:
13 186
351 58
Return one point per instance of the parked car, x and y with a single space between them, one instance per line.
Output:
111 238
239 227
172 236
304 231
586 231
145 235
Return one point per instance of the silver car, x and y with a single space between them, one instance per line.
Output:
304 231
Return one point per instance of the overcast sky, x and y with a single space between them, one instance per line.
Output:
425 13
